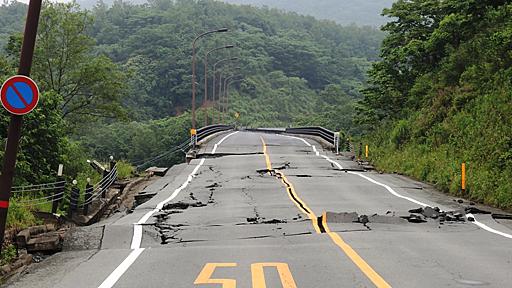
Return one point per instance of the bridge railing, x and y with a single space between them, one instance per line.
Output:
204 132
329 136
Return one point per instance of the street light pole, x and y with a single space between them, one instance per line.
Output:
227 93
223 95
205 99
215 82
194 71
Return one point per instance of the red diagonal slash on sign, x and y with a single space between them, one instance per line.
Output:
19 95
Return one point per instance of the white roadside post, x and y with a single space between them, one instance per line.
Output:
337 142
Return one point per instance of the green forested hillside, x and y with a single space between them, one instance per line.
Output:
12 19
442 95
345 12
120 76
154 43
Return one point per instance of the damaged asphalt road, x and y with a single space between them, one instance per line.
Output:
235 215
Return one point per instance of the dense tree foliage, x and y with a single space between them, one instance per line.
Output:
12 18
442 95
295 70
77 86
154 41
345 12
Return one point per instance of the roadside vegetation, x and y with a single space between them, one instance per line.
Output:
442 95
115 80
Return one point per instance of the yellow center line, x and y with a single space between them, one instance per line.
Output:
376 279
291 191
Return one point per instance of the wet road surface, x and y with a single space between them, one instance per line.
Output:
270 211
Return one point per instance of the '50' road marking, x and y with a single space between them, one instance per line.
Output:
258 275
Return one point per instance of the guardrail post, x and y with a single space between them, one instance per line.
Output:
75 196
112 163
337 142
193 138
104 183
88 195
360 154
59 191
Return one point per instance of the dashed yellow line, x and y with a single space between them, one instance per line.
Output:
367 270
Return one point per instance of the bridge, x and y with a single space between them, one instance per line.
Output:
274 209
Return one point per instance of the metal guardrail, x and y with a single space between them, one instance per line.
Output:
204 132
331 137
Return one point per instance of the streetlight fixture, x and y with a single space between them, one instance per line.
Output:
224 95
221 30
227 92
205 100
221 94
215 81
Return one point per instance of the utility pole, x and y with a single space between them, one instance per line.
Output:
15 126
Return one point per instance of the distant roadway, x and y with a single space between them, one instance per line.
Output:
254 211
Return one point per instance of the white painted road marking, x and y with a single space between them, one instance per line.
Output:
393 192
485 227
137 227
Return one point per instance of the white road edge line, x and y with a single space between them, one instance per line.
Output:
390 190
112 279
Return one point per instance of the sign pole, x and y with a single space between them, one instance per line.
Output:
14 134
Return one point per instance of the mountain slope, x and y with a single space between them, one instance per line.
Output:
442 95
344 12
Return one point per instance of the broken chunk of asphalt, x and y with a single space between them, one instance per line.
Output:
182 205
502 216
436 213
262 172
430 212
414 218
474 210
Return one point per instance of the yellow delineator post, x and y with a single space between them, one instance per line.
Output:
193 137
367 151
463 177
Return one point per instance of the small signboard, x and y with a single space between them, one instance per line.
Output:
19 95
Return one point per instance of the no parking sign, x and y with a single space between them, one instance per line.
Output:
19 95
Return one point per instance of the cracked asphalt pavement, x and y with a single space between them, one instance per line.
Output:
267 211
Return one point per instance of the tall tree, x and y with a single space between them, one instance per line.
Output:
65 63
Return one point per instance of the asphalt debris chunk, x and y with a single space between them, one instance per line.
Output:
502 216
430 212
413 218
182 205
474 210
